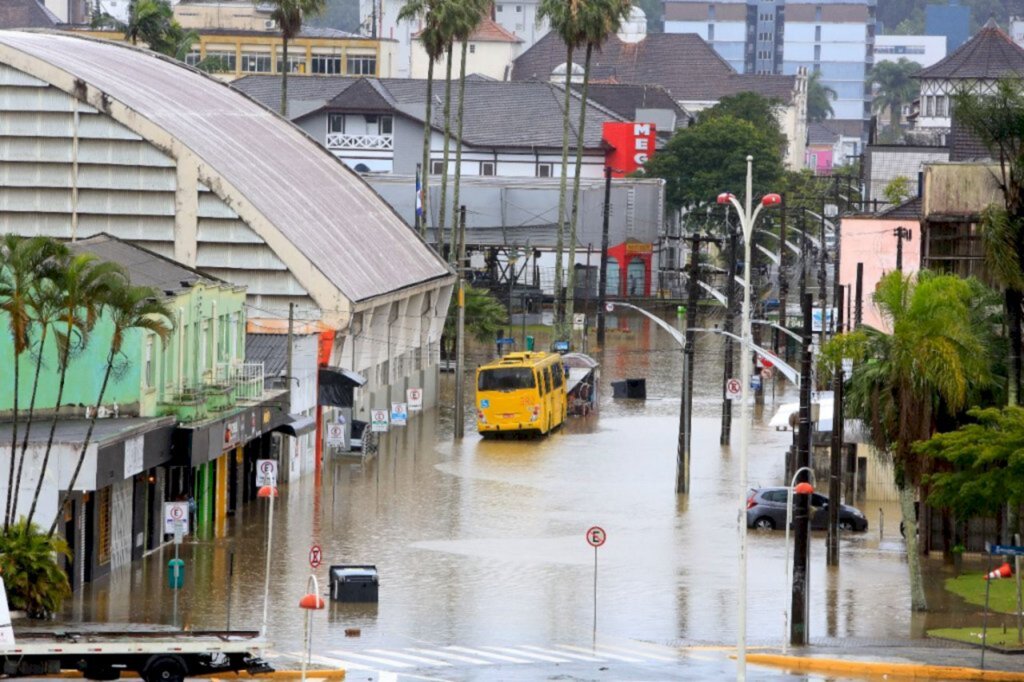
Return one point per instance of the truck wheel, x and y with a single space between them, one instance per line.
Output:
100 672
165 669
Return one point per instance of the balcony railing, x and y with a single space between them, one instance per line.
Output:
246 378
346 141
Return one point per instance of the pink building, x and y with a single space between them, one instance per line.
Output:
872 240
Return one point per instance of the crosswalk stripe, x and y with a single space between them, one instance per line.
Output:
520 652
614 657
646 653
487 654
417 659
578 657
455 657
378 660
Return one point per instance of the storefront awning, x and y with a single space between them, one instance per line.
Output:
336 386
297 425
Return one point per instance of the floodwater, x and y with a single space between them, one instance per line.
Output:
482 542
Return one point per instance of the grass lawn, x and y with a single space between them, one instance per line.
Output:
994 637
971 588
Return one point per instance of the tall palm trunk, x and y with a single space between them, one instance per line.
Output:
28 424
14 446
907 511
560 231
1013 298
284 75
441 210
85 443
457 182
65 358
571 286
425 168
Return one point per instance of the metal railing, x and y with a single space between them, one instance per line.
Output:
245 377
346 141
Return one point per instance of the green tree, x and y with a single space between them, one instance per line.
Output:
433 44
898 190
21 261
757 109
709 158
895 86
598 19
83 284
129 308
149 21
819 99
288 14
485 316
932 362
28 563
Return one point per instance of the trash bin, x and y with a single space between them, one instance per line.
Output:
630 388
175 574
354 583
529 343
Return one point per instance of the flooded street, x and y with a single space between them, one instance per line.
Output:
481 543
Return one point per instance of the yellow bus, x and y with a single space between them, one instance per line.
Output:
521 393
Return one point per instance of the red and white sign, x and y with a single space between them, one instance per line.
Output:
414 397
766 373
733 389
266 472
315 556
176 518
596 536
632 144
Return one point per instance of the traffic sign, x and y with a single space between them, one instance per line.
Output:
755 382
609 307
176 518
335 434
414 396
399 414
266 472
766 373
379 421
596 536
765 362
315 556
1005 550
733 389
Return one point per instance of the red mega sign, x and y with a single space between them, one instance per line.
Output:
631 143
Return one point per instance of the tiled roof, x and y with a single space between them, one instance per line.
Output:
964 145
270 349
364 95
26 14
820 134
989 54
144 267
682 63
625 99
908 210
315 88
488 31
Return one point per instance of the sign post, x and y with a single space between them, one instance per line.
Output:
335 435
379 421
399 414
595 538
414 397
266 472
733 389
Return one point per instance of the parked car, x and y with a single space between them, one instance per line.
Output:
766 510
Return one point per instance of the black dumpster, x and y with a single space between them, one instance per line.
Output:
354 583
630 388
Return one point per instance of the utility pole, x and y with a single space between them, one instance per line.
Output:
823 280
835 469
683 447
901 233
783 287
602 277
289 349
727 368
801 519
460 335
417 206
858 310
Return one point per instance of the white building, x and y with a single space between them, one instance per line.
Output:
491 50
925 50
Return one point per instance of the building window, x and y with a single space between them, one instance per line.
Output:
472 48
817 13
386 125
929 105
519 8
256 63
222 62
193 58
486 168
940 106
103 525
817 53
326 64
147 375
361 65
335 123
711 32
543 170
817 34
501 8
436 167
711 12
296 64
202 351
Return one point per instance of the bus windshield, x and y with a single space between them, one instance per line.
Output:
505 379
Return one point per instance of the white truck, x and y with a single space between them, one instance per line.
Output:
100 654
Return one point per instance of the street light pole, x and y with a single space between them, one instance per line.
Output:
602 277
800 489
748 217
801 522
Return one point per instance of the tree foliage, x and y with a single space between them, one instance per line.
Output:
485 316
898 190
819 99
895 86
28 563
709 158
761 111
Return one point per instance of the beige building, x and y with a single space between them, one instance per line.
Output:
491 51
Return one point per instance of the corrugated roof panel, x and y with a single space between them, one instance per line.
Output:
31 199
35 124
40 151
125 203
240 256
141 178
134 227
34 99
33 175
331 216
226 231
120 153
9 76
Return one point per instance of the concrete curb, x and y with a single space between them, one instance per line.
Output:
324 674
810 664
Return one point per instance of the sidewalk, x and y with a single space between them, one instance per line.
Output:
901 659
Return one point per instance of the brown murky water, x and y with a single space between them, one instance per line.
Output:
483 541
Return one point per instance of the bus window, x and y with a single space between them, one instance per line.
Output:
559 377
544 382
505 379
552 383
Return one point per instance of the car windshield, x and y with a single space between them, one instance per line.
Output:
505 379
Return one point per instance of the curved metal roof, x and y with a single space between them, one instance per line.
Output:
324 209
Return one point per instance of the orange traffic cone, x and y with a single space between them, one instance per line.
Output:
1003 571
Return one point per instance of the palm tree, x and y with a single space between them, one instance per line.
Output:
83 284
933 361
129 308
895 87
20 261
819 99
43 302
598 19
288 15
433 45
29 564
565 19
473 11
